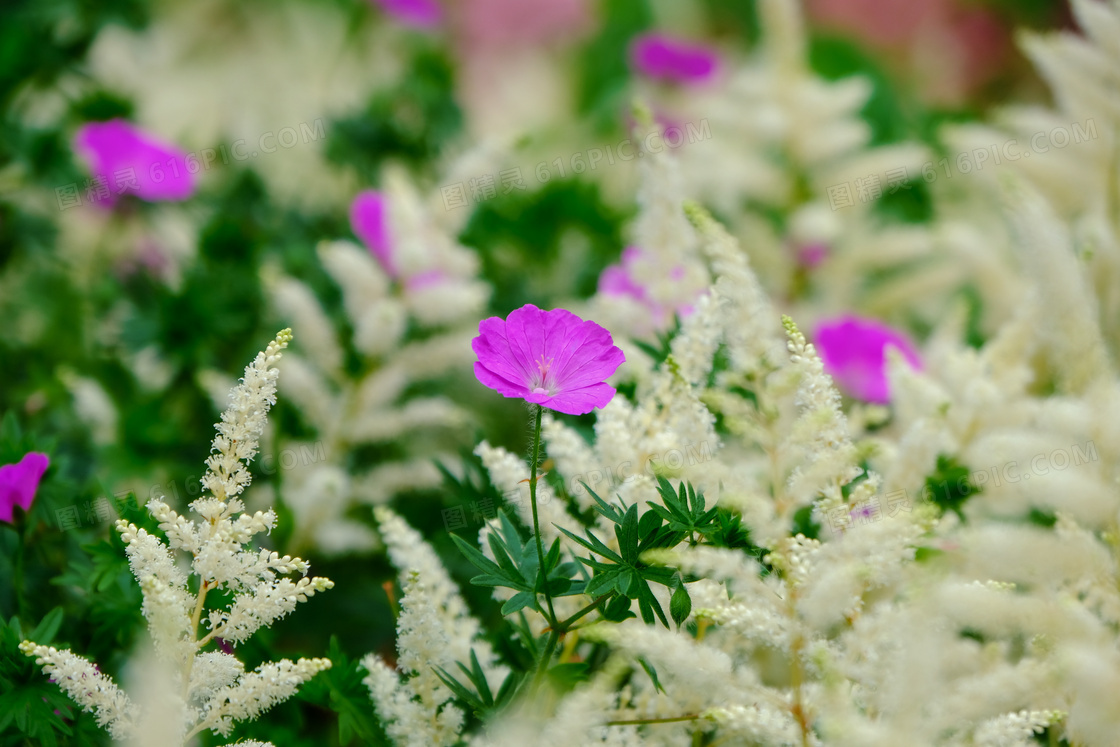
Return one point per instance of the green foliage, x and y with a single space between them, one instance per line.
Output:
481 701
604 71
410 123
31 707
623 574
518 567
949 486
341 689
520 238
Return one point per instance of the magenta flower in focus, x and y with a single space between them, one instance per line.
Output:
549 358
18 483
369 220
662 56
854 353
419 13
124 159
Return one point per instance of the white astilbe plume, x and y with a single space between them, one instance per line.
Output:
436 288
87 686
203 690
1013 729
821 430
412 704
410 554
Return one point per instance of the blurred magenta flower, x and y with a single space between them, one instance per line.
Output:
811 255
549 358
854 353
520 23
18 483
618 280
369 220
419 13
124 159
668 58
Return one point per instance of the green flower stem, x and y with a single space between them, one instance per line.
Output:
566 625
542 579
639 721
18 581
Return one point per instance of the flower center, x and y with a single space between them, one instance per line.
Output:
542 382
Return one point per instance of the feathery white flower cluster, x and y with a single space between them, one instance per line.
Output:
439 290
208 690
435 629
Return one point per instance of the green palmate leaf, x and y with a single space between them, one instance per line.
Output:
481 699
493 574
341 689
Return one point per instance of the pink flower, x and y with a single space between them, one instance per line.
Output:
618 280
369 220
662 56
550 358
419 13
18 483
853 351
125 159
811 255
520 23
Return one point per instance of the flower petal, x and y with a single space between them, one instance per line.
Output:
853 351
494 352
127 159
662 56
581 401
498 383
18 483
369 221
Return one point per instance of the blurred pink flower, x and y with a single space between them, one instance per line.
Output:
618 280
549 358
18 483
419 13
124 159
950 46
811 255
669 58
369 220
854 353
523 23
